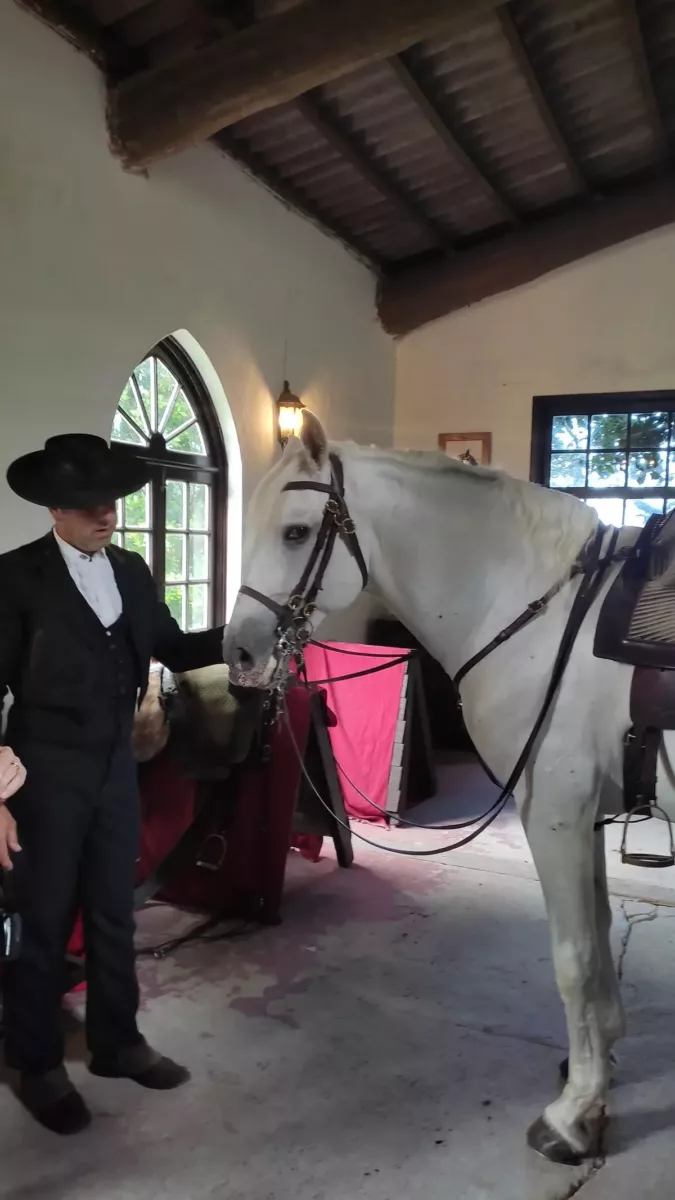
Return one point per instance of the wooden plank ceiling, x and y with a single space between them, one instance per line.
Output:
459 147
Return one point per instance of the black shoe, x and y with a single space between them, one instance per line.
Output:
161 1076
65 1115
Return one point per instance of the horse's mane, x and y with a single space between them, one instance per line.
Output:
424 460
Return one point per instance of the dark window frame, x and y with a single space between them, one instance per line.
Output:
545 408
191 468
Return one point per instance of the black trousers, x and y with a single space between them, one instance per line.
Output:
78 820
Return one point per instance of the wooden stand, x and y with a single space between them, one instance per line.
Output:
311 815
413 771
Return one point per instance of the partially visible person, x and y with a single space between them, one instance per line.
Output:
79 622
12 777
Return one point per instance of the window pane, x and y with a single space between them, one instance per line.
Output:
670 505
608 509
649 429
129 402
639 511
176 504
181 412
175 549
198 606
117 539
137 509
607 470
139 543
199 506
199 556
190 441
569 433
609 431
167 391
568 470
124 432
647 469
175 598
143 376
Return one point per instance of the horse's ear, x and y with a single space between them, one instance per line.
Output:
314 438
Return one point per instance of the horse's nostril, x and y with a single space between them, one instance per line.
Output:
244 659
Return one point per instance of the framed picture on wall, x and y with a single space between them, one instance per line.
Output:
472 448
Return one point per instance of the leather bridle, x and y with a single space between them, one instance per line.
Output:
336 523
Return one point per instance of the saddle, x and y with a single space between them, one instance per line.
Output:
636 626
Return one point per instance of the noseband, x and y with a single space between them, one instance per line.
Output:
293 617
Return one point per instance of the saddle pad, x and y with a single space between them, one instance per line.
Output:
653 618
636 624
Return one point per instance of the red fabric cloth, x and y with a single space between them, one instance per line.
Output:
249 881
367 711
309 845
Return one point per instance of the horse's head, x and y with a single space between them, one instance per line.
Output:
299 548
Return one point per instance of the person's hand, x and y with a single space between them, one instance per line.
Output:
12 773
8 838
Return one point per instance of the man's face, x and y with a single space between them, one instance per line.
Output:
87 529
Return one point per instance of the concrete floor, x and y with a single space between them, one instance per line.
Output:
392 1039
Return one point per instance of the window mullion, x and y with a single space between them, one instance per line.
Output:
159 528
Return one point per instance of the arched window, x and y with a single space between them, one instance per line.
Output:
177 522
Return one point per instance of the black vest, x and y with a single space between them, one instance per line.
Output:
113 711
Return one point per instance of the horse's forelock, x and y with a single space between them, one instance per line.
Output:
265 498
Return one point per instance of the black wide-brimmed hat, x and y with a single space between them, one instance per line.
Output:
77 470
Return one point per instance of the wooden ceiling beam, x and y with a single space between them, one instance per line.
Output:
172 107
108 12
73 24
415 296
156 19
524 64
635 39
325 123
258 166
407 77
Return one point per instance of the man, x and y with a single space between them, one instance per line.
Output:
79 622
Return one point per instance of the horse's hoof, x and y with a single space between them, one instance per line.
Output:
549 1144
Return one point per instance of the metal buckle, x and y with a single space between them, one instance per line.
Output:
641 859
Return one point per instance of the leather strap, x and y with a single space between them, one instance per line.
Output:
336 522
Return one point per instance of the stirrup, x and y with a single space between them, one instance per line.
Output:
647 860
213 863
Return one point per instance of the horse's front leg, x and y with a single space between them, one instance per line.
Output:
561 839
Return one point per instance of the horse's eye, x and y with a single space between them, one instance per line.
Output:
296 534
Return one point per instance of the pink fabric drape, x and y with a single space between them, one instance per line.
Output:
367 712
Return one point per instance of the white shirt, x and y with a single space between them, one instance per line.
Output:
94 578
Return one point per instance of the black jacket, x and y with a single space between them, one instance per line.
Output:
50 639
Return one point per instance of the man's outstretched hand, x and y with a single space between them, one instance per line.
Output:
12 777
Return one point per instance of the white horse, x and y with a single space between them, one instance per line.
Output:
457 553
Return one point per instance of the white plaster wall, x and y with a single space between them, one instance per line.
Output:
606 323
96 265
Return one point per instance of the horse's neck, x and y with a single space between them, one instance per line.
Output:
457 557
